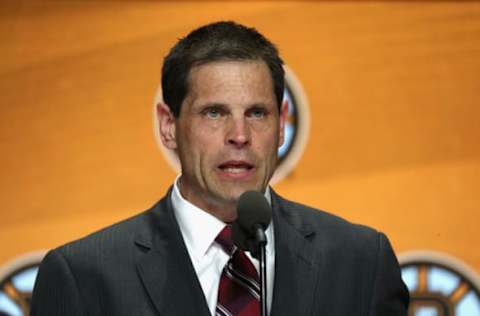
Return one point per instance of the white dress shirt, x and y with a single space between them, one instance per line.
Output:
199 230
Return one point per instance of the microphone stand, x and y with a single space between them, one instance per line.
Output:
261 242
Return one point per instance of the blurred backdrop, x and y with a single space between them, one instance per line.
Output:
393 90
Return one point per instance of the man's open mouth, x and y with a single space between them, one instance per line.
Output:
235 166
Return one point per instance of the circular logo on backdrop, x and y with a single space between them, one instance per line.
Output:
440 285
296 128
17 278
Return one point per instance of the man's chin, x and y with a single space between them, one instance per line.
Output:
233 195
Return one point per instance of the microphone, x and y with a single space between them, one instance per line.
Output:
248 233
253 216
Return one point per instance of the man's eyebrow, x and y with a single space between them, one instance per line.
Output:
213 104
258 105
220 105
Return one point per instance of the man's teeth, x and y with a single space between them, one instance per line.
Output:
235 169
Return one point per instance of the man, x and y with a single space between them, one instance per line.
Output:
223 115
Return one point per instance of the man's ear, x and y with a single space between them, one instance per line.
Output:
283 120
166 125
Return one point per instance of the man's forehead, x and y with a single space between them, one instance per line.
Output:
227 75
216 82
212 66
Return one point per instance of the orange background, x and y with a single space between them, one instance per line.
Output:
393 88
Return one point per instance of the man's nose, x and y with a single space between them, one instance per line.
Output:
238 133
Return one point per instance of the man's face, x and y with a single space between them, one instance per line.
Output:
228 132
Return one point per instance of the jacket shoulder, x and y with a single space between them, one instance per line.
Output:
114 240
331 228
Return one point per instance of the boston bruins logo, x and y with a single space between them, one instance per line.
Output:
296 129
16 284
440 285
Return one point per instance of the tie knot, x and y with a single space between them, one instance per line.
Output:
224 239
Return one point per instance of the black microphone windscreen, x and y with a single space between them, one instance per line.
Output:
253 211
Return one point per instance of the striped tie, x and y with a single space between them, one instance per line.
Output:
239 289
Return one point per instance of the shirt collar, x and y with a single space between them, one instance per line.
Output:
199 228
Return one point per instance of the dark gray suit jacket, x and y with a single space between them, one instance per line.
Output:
324 266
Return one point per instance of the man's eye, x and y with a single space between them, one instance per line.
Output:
212 113
257 113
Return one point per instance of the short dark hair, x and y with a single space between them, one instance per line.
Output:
225 40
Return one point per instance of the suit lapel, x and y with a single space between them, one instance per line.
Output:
170 280
165 267
296 267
